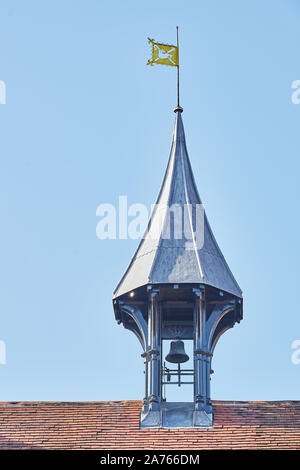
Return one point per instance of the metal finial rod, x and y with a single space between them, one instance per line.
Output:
177 68
178 107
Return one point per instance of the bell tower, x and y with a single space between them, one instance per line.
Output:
178 287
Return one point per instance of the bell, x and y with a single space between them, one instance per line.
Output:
177 353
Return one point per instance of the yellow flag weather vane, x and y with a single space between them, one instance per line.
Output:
166 54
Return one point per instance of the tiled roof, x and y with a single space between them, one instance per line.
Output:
115 425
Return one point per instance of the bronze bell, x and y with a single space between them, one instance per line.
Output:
177 353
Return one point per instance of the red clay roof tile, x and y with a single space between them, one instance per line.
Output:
115 425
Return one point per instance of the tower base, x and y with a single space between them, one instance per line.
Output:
176 415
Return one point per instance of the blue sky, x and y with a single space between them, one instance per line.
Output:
86 121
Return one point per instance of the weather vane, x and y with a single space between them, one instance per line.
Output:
166 54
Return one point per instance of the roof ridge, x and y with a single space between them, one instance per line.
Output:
139 402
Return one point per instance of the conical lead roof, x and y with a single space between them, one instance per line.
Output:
178 249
